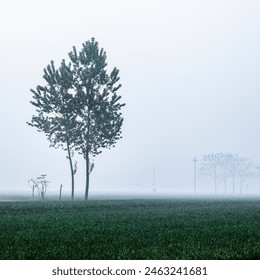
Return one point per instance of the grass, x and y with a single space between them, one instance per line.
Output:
131 229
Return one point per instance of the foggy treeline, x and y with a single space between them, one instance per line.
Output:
223 167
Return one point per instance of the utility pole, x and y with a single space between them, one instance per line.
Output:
154 189
195 173
60 192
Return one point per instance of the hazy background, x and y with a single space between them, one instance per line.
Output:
190 72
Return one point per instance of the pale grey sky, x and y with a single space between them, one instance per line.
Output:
190 72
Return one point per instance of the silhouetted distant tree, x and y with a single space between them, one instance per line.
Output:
220 165
210 166
33 185
40 184
233 162
224 173
246 169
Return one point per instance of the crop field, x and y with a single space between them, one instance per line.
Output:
131 229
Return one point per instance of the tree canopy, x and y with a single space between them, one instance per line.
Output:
228 165
78 109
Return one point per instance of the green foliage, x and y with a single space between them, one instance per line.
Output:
55 116
54 105
131 229
97 103
78 108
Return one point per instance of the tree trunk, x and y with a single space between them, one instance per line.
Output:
87 155
60 192
225 182
87 176
215 180
71 170
241 186
233 178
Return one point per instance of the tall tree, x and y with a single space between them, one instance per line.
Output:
233 162
210 166
56 116
226 165
224 173
246 169
99 117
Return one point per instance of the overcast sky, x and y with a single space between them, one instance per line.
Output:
190 72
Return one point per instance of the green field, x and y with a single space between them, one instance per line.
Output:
131 229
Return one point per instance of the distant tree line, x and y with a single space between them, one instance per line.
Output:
78 108
221 166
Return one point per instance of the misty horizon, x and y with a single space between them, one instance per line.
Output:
190 81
